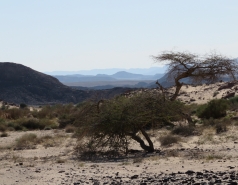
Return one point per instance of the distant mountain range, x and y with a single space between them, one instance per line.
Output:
111 71
103 81
121 75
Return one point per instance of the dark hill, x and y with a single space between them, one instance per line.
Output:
21 84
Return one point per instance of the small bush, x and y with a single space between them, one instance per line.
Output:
27 141
3 127
209 122
34 123
15 126
4 134
70 129
234 100
233 103
220 127
168 140
16 113
213 109
183 130
138 160
23 105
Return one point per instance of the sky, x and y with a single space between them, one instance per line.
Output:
71 35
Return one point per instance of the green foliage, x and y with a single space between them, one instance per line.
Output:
112 124
234 100
213 109
233 103
32 124
3 126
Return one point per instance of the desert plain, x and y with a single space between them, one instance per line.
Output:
203 158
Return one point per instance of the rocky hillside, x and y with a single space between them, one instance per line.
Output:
21 84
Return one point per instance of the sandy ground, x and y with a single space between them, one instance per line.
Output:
203 93
57 163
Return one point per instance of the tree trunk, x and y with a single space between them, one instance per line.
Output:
151 145
178 87
149 148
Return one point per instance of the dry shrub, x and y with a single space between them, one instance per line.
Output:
138 160
27 141
220 125
49 141
16 113
4 134
54 111
184 130
60 161
172 153
70 129
3 127
168 140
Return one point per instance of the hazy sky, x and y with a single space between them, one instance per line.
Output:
50 35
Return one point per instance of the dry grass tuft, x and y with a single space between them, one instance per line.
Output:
168 140
60 161
138 160
27 141
70 129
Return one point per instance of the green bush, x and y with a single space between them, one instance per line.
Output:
33 123
14 126
213 109
113 123
3 126
233 103
234 100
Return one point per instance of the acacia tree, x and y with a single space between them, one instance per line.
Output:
123 119
209 68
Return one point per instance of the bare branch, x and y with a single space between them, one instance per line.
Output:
208 68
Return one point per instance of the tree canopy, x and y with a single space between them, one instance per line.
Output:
209 68
123 119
